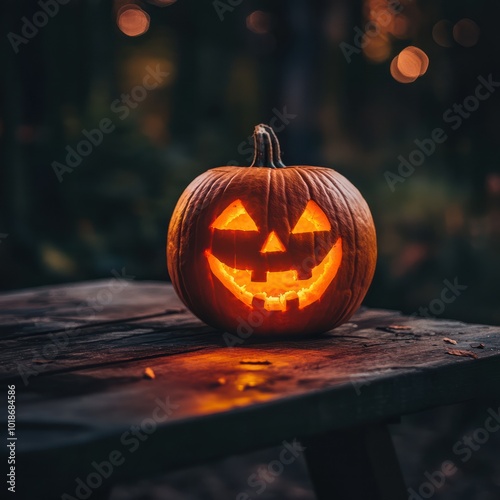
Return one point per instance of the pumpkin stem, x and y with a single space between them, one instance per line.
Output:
267 148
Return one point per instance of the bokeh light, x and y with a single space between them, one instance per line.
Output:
415 52
396 72
132 20
409 64
466 32
400 26
442 33
259 22
384 21
132 73
377 49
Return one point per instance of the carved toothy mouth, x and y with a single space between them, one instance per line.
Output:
283 290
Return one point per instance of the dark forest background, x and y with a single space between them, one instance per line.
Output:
231 65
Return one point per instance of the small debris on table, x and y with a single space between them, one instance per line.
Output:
221 380
149 373
255 362
449 341
465 354
477 346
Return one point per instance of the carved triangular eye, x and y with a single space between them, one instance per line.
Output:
312 219
235 218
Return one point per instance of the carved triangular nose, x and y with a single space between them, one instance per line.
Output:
272 244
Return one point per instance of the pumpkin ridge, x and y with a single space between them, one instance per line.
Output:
352 190
368 220
354 275
268 201
178 222
282 181
183 217
333 179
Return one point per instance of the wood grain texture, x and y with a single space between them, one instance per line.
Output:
85 384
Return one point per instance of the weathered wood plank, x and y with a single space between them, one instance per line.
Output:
226 400
57 308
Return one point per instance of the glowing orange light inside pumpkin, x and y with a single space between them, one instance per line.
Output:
281 289
272 244
133 21
313 219
235 217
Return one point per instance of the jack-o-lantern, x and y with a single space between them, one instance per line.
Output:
269 249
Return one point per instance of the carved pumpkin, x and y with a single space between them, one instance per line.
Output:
269 249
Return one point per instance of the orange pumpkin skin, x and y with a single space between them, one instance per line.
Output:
271 251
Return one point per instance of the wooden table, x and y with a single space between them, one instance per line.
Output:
78 356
